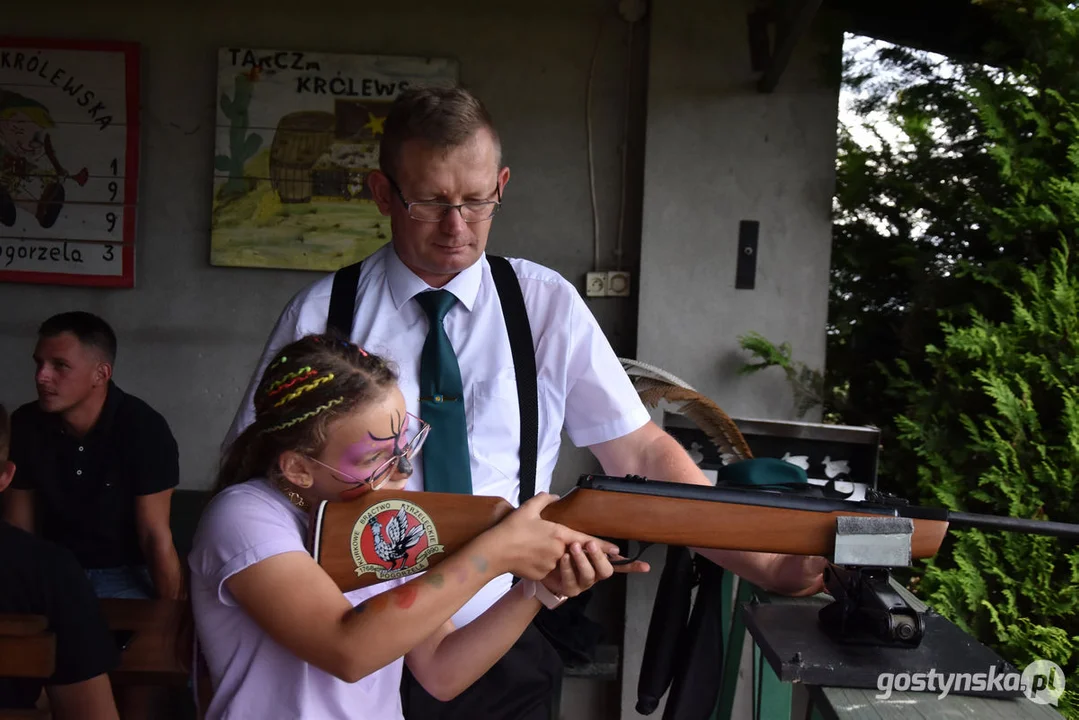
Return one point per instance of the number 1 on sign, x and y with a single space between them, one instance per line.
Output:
115 167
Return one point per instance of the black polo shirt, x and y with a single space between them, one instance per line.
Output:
85 488
39 578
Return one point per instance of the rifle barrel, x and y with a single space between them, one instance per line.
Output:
1032 527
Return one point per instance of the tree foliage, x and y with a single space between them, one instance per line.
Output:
954 304
998 432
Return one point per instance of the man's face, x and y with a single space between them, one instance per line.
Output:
437 251
68 372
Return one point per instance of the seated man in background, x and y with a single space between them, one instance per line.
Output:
40 578
97 466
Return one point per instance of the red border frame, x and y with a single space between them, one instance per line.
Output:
132 61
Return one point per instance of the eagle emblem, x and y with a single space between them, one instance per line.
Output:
393 539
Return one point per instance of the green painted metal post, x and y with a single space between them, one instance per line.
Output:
771 699
734 634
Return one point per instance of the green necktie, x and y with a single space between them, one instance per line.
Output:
442 404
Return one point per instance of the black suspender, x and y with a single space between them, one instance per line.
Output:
524 367
343 299
342 313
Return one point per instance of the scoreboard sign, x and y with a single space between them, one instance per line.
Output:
69 162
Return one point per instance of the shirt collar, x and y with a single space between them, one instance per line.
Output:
107 419
113 397
404 284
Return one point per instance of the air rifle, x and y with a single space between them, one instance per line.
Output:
391 534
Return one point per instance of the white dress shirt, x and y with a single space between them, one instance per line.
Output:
582 386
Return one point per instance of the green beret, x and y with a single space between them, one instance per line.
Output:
761 471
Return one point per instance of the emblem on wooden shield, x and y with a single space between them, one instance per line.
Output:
393 539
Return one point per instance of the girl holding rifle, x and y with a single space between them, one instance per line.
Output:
278 637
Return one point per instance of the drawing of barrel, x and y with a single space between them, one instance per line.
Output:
300 138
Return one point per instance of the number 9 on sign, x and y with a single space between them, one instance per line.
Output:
110 219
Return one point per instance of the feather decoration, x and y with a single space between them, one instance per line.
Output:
655 385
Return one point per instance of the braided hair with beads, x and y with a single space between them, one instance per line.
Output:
309 383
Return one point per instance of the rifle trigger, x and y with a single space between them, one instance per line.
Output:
641 548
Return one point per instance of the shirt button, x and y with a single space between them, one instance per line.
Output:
78 472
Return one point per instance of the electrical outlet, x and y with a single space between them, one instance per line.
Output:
595 284
617 283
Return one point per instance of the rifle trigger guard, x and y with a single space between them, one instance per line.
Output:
641 547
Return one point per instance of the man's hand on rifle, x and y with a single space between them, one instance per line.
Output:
800 575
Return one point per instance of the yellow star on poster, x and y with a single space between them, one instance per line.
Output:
375 124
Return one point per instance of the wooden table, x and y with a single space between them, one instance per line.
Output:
150 658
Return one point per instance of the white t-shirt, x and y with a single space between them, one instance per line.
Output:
582 386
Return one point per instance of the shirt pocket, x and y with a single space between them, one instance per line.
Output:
494 425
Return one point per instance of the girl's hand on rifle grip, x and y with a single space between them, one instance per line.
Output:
583 566
530 547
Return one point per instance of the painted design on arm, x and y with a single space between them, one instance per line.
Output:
405 595
375 604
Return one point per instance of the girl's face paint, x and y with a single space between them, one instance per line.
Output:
358 446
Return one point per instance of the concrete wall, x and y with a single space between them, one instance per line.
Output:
190 333
718 152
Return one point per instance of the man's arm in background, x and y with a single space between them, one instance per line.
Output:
651 452
152 513
156 475
85 700
86 651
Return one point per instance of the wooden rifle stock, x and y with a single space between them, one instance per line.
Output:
391 534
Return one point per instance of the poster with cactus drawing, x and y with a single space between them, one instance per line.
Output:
69 142
297 134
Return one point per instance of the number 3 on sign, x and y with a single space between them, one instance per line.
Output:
108 255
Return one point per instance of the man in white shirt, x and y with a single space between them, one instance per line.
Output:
441 181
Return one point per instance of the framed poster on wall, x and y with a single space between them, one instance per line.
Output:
297 134
69 161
